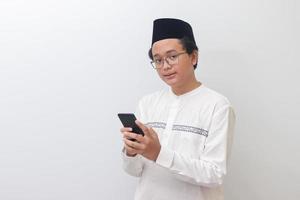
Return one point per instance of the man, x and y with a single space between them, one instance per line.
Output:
188 127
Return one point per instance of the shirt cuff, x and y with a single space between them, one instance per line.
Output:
165 157
125 157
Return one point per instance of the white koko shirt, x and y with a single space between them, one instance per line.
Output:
195 131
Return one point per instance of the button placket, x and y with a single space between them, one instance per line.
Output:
171 118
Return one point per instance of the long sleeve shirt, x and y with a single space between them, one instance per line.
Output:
195 131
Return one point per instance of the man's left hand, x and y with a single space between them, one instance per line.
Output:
147 145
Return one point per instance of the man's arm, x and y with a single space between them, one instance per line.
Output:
210 169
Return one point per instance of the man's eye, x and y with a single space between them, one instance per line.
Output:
158 61
173 57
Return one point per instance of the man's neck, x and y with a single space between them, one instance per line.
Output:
186 88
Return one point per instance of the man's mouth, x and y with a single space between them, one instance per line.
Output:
170 75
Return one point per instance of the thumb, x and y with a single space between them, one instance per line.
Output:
152 132
144 128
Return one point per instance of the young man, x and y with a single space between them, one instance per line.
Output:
188 127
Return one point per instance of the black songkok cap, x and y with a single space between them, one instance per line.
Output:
166 28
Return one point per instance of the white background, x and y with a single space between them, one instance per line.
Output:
68 67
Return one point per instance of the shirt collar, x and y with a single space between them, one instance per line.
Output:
187 94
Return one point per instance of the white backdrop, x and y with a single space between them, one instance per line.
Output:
68 67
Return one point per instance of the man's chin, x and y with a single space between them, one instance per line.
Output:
171 83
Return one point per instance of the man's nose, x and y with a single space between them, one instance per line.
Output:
166 65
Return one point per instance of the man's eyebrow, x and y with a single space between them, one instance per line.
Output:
170 51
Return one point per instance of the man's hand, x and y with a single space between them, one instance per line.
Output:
147 145
129 151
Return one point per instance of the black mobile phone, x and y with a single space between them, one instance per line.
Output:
128 120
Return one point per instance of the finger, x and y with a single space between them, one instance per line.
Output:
125 136
130 150
128 129
134 145
135 136
144 128
152 132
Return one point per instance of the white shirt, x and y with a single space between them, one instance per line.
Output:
195 131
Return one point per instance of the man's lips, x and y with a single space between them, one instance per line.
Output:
169 75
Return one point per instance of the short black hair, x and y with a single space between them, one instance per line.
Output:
187 44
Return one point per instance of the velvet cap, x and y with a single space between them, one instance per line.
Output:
165 28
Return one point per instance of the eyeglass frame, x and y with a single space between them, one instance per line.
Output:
165 59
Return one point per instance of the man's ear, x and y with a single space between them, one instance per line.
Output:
194 57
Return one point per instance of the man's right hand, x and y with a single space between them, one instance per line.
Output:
129 150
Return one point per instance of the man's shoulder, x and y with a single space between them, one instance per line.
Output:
153 96
216 97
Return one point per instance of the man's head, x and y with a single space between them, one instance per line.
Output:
186 43
173 52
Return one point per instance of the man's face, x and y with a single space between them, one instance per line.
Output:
176 75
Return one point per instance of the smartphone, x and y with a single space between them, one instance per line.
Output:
128 120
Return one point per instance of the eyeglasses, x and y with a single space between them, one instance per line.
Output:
170 59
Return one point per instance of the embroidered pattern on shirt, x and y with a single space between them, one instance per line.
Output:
191 129
183 128
157 124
